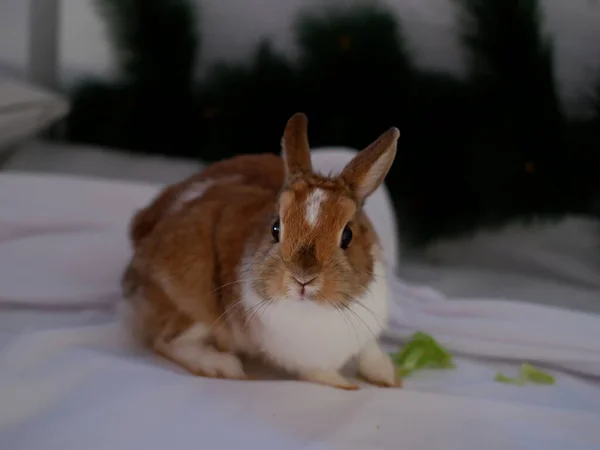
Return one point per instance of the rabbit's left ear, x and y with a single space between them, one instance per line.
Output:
367 170
295 149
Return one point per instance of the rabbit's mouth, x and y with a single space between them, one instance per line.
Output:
304 287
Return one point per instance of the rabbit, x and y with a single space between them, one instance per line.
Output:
259 256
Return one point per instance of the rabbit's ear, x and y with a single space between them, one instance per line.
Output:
295 148
367 170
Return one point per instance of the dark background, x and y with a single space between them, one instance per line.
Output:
474 152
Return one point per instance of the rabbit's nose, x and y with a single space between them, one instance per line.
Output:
303 280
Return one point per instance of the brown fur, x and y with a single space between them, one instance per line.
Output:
261 170
186 264
184 250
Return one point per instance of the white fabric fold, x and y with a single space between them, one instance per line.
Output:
499 328
69 378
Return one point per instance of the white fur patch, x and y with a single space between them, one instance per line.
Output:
313 205
194 335
197 189
376 366
191 349
304 336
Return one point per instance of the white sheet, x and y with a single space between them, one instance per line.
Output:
70 379
554 264
42 156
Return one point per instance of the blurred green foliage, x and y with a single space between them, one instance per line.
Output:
152 107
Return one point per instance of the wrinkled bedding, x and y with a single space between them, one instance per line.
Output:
70 378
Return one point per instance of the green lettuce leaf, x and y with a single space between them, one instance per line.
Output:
535 375
421 352
501 378
527 374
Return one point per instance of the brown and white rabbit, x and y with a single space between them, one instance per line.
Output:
260 256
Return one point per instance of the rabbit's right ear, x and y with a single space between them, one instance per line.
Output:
367 170
295 149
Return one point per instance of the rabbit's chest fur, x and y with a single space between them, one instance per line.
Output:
306 335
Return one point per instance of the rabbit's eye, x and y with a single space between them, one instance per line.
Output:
275 230
346 237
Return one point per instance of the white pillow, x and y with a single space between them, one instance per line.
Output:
26 110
